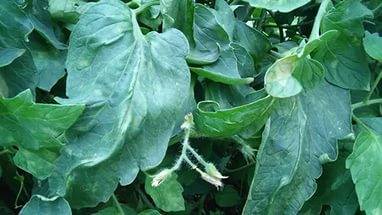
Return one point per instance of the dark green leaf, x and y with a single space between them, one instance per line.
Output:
168 195
8 55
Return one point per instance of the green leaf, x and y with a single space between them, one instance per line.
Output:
371 42
113 210
179 14
278 5
212 122
132 99
364 164
345 58
234 66
8 55
288 76
228 197
47 206
347 17
255 42
345 62
168 195
149 212
17 25
300 136
65 10
42 23
35 130
335 188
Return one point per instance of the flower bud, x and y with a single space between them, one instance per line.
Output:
161 177
212 171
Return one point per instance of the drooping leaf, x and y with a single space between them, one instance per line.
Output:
35 130
364 164
8 55
278 5
290 75
132 100
47 206
168 195
297 139
372 42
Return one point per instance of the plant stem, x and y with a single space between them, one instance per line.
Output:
185 145
375 84
116 202
143 7
276 54
375 10
239 168
317 21
4 151
366 103
197 156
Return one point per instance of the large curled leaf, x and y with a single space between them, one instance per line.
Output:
365 165
297 139
132 95
35 130
278 5
212 122
290 75
372 42
47 206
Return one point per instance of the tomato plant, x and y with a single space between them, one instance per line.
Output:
190 107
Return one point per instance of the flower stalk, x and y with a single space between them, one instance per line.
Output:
210 173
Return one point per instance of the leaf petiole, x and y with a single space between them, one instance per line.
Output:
375 84
366 103
118 205
315 34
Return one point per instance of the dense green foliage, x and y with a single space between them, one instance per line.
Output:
119 107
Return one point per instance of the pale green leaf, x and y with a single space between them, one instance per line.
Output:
132 95
288 76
